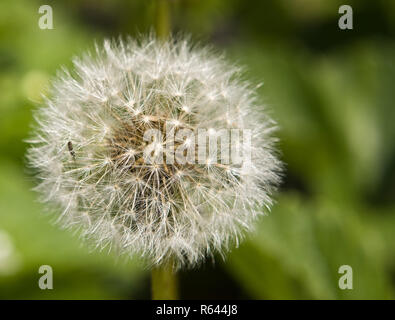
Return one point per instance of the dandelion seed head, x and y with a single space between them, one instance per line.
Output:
88 149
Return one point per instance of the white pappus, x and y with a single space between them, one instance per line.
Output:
87 150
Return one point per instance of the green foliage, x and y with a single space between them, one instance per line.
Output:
297 252
332 112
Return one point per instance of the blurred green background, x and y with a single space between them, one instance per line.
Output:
332 93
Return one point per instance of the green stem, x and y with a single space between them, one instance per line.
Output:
164 283
162 19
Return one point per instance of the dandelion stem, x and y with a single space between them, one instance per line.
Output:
164 283
162 19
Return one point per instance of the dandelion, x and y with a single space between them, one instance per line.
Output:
89 150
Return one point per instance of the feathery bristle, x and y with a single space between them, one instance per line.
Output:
90 149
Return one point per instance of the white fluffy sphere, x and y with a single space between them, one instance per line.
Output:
88 149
